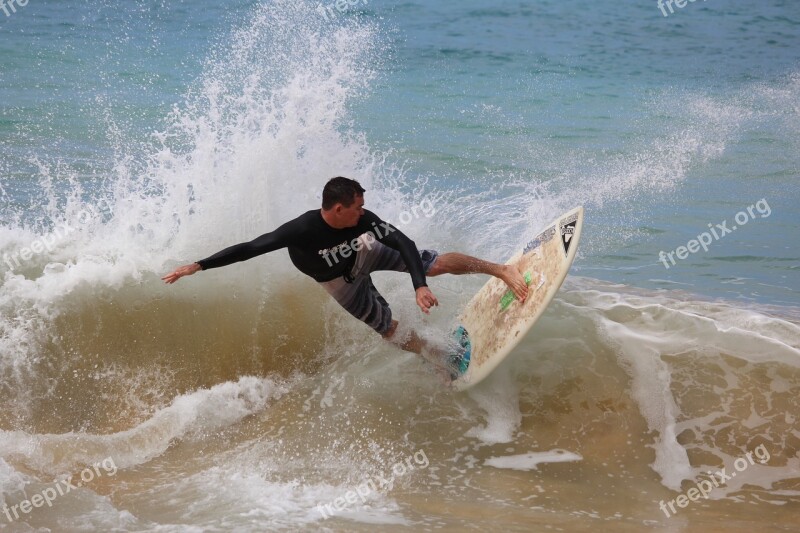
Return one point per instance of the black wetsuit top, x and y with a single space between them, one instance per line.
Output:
323 252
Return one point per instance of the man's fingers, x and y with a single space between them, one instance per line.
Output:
426 300
431 299
178 273
172 277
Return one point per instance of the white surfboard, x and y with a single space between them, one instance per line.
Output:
494 322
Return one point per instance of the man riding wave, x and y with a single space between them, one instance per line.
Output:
342 243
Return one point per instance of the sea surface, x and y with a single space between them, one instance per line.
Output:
660 390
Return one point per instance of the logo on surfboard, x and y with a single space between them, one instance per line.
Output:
540 239
567 227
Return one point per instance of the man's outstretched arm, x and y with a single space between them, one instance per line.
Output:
234 254
178 273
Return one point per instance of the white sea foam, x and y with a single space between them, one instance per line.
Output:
532 460
195 413
643 328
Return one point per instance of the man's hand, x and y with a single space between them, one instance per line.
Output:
178 273
426 299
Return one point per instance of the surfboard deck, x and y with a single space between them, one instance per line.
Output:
493 323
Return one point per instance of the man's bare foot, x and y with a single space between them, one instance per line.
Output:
444 376
513 278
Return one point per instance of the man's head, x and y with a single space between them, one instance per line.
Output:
340 190
343 202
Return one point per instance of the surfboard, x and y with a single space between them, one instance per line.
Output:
494 322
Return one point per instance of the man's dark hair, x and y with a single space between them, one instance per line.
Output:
340 190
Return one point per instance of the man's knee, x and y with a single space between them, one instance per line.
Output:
389 333
439 266
404 338
397 334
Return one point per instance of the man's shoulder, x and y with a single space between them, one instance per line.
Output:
311 213
299 227
308 218
370 217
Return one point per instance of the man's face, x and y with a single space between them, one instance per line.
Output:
349 216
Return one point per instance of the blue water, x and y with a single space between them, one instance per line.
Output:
241 399
660 125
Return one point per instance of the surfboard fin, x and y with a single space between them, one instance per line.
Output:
509 297
459 360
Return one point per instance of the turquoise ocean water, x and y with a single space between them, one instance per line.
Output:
137 136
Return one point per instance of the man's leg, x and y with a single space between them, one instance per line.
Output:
364 302
375 256
456 263
412 342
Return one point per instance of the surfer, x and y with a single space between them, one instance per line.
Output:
340 245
